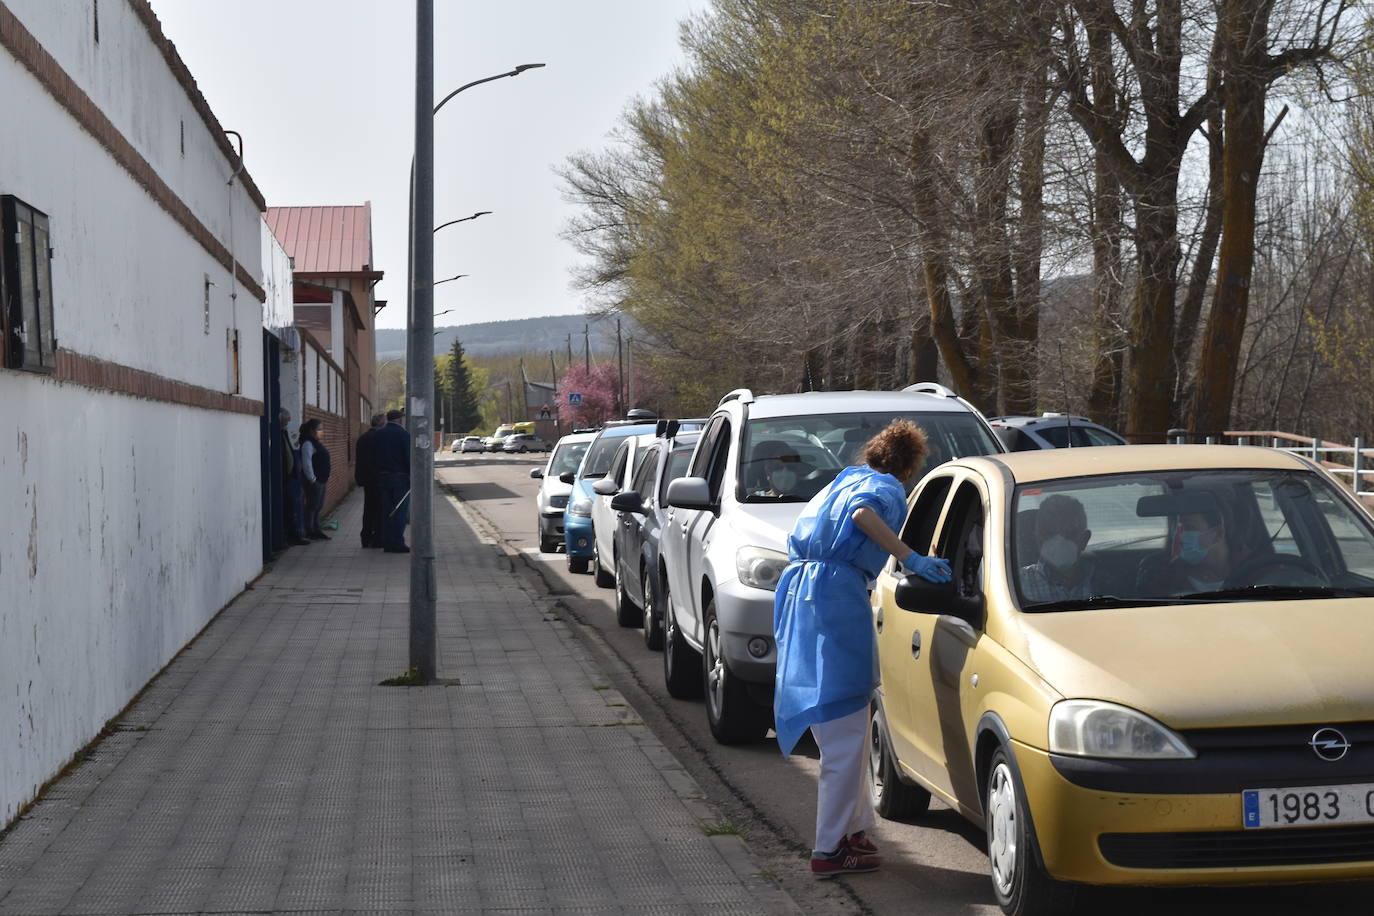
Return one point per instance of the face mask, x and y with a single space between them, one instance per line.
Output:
783 480
1190 549
1059 552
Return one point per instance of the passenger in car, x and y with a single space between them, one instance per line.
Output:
1204 553
1061 572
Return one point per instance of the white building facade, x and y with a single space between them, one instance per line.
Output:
131 377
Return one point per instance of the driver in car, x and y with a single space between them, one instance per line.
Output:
1203 556
1061 572
783 469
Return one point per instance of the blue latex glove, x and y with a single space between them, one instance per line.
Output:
932 569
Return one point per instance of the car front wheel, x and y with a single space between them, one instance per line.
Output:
626 614
734 716
653 626
604 578
1019 880
577 564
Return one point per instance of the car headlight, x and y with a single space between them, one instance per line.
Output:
1093 728
581 507
759 568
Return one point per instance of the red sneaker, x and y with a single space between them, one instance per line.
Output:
845 861
860 843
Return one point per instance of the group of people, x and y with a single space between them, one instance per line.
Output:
382 469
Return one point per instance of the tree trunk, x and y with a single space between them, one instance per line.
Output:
1149 388
1243 97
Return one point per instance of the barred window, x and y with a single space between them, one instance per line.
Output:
26 288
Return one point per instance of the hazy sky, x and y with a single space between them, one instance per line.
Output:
323 93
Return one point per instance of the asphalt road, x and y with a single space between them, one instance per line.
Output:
935 865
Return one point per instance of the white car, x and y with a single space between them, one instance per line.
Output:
623 467
552 497
724 537
468 444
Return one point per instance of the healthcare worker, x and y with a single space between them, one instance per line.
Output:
827 650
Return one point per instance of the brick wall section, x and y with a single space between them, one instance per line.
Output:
20 42
90 372
337 440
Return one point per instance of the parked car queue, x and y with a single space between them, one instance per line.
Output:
1148 670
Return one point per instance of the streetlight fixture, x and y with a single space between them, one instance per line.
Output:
420 343
464 219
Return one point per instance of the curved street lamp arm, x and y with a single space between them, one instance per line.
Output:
459 277
486 79
464 219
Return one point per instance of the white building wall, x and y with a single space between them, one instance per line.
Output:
131 521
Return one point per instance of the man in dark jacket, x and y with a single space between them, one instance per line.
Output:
366 475
293 509
391 458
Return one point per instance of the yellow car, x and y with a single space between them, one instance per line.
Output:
1154 667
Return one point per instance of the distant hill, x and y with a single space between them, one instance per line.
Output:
520 335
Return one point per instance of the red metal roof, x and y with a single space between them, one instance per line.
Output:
325 240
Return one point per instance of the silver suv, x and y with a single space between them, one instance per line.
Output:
724 538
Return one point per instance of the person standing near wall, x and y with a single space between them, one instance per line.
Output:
315 469
366 475
827 666
293 512
391 456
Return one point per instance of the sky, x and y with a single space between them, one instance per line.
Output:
323 93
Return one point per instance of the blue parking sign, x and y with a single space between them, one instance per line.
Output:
574 398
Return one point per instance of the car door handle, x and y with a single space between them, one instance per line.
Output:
916 644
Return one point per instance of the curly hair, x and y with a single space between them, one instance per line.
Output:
898 450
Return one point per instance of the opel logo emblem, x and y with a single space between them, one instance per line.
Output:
1329 744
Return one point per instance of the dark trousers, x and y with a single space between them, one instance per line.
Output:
293 509
395 509
314 504
372 515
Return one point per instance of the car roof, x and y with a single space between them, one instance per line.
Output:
1055 464
1058 419
616 432
817 402
576 437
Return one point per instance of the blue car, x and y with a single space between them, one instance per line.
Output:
578 538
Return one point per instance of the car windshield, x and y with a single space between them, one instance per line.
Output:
790 459
598 460
1188 536
567 457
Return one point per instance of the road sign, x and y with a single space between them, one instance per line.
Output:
574 398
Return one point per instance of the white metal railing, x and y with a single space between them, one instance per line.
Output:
1355 471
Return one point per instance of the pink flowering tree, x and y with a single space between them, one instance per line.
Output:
597 387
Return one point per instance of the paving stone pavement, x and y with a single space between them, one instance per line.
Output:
264 771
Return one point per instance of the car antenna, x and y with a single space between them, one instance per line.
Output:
1064 383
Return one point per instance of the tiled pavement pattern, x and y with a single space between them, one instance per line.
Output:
266 772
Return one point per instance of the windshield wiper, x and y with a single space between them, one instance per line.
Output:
1281 591
1081 604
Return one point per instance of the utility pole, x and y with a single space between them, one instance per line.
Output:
587 347
420 355
569 363
630 371
619 373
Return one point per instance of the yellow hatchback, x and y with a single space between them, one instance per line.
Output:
1155 667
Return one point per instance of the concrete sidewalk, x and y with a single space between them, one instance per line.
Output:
266 772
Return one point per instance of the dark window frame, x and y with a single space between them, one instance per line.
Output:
32 349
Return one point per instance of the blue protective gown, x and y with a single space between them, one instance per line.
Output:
827 650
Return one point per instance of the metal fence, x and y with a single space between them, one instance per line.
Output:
1350 464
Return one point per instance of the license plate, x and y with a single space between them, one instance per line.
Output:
1308 806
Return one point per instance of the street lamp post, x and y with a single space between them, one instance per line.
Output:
420 344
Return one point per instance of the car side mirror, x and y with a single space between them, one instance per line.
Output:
605 487
568 477
537 473
916 594
690 493
628 501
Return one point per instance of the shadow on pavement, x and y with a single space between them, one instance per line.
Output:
474 492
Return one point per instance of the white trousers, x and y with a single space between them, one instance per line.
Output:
843 802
